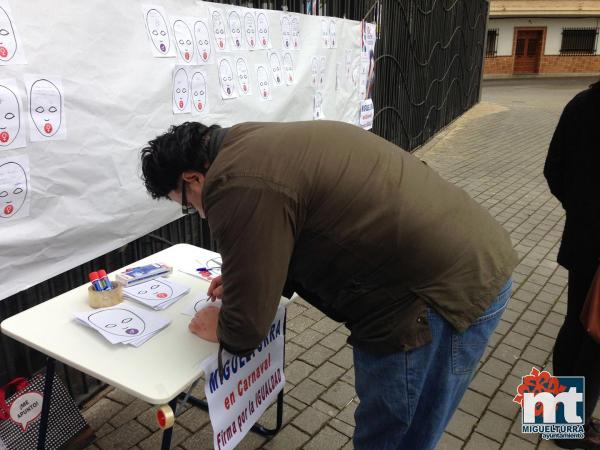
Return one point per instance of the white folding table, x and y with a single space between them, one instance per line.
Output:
158 372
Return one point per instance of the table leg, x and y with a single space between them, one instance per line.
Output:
168 432
50 370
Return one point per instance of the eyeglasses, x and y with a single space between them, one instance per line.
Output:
186 208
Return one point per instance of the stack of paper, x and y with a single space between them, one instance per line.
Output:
124 324
157 294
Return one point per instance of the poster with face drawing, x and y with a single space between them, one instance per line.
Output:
332 34
124 323
288 67
250 30
295 25
14 188
198 89
181 91
318 106
157 30
262 27
322 73
226 79
234 21
276 72
12 118
348 64
314 71
286 32
202 39
324 33
46 108
218 29
184 39
243 76
11 47
263 82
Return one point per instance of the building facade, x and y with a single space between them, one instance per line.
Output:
542 37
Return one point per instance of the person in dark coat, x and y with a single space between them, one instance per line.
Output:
572 170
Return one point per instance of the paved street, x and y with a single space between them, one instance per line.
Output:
496 153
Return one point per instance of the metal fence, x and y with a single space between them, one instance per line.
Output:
429 59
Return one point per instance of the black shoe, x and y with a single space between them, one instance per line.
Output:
590 442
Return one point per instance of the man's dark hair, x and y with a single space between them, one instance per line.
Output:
595 85
183 147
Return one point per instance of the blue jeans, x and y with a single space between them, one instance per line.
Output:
408 398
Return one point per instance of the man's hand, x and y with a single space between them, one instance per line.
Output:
215 290
204 323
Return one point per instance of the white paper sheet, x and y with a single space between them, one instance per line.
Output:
243 75
12 116
219 30
47 121
11 46
276 71
181 91
203 41
250 36
199 303
288 67
263 29
184 39
263 82
286 32
126 324
198 91
234 23
159 293
157 31
15 188
227 79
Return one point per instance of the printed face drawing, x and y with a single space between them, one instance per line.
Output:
8 42
226 78
13 189
318 105
235 26
219 29
202 40
250 29
263 30
181 95
183 39
322 69
45 107
332 33
286 33
263 82
325 33
156 291
275 63
242 73
199 91
10 116
288 66
118 321
157 27
314 71
296 32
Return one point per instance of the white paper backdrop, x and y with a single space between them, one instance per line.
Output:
85 194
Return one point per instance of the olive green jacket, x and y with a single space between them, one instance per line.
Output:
362 230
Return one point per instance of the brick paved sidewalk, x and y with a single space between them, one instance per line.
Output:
496 153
